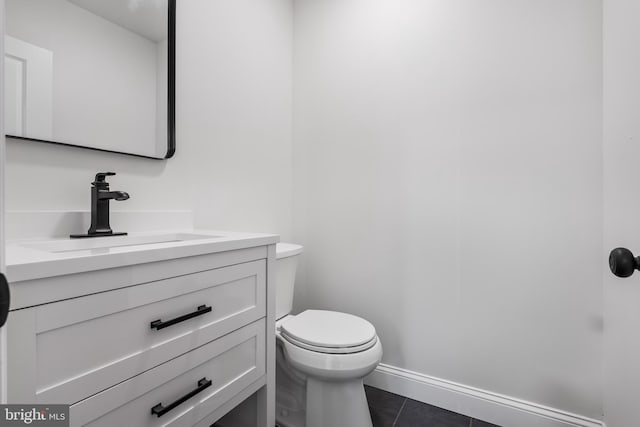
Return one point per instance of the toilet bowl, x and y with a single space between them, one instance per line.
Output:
322 358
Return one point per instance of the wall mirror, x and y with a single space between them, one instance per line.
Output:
92 73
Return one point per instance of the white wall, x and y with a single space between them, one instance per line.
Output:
621 208
233 159
448 180
234 111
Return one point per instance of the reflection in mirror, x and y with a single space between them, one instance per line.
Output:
91 73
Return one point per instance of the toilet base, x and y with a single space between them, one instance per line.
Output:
290 393
336 403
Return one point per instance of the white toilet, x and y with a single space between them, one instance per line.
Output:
322 357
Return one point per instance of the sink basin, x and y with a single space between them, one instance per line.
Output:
74 245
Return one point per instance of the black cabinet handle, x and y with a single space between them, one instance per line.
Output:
622 262
160 410
159 324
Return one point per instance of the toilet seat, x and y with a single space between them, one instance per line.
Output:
330 350
329 344
329 332
338 367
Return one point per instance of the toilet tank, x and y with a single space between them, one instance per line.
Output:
286 263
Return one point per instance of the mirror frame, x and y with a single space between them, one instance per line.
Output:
171 102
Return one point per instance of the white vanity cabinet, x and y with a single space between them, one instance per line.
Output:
178 342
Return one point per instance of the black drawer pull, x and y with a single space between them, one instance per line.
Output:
159 324
160 410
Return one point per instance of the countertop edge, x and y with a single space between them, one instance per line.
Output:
44 268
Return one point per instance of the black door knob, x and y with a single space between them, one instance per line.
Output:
4 299
622 262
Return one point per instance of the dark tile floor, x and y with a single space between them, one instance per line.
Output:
389 410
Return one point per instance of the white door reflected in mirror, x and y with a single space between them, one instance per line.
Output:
28 83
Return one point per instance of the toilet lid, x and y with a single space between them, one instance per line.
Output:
329 330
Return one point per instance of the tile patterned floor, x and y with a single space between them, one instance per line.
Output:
391 410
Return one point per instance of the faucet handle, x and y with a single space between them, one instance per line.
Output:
100 177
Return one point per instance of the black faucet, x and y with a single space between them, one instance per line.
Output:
100 196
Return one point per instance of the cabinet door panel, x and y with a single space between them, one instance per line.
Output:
85 345
230 364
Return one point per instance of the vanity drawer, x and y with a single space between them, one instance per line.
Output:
88 344
220 370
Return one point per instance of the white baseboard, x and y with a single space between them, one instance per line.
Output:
495 408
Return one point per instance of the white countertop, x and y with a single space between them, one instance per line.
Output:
27 260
